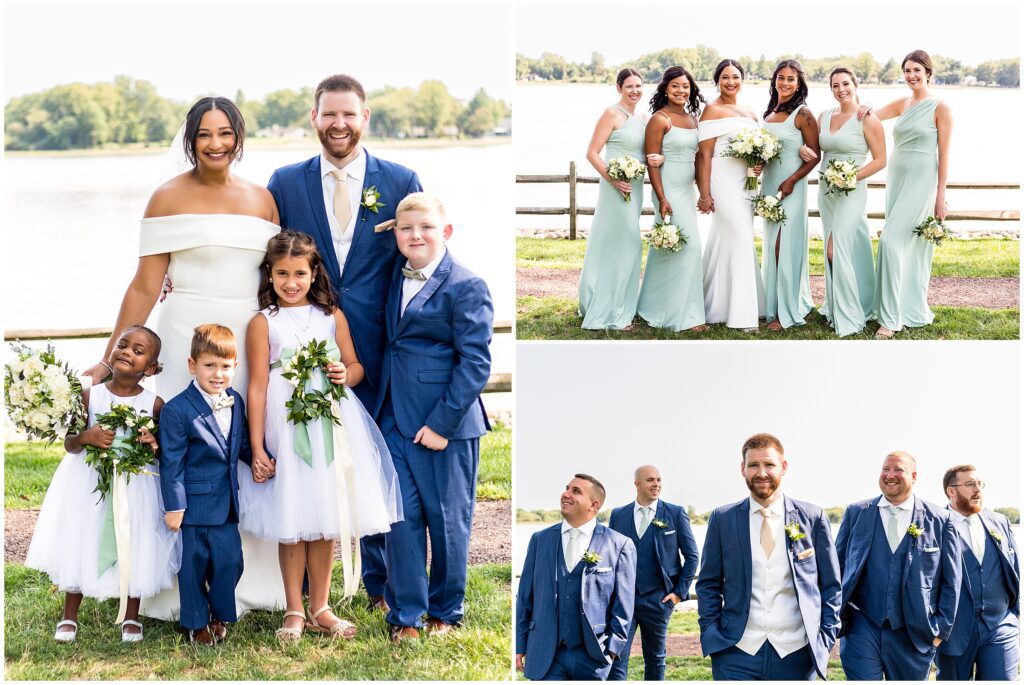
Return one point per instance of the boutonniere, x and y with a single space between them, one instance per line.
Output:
913 531
793 532
591 558
996 536
658 523
371 199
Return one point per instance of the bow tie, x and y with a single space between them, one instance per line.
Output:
415 274
223 402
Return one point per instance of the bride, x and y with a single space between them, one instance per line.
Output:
733 291
207 230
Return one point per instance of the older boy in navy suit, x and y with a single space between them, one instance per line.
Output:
575 602
983 644
203 434
439 319
661 533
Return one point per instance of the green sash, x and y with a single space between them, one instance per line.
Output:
301 440
107 556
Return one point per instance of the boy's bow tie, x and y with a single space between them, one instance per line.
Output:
223 402
413 273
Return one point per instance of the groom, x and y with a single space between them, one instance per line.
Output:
345 197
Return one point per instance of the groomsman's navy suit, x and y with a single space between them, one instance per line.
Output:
362 287
724 588
658 572
199 473
436 365
984 641
896 604
570 623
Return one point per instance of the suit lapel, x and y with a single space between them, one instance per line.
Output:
653 530
990 527
234 434
916 515
429 288
555 550
394 303
200 405
790 516
742 514
860 537
370 178
315 190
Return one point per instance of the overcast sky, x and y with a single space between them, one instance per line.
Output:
822 28
838 408
186 49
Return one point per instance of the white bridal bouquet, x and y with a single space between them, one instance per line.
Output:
932 230
769 208
840 176
626 169
666 236
754 146
42 395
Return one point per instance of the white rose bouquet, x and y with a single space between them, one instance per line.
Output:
126 455
666 236
626 169
932 230
840 176
42 395
754 146
769 208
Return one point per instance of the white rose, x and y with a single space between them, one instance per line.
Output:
32 365
39 420
15 395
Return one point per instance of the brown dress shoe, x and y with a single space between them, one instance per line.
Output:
218 629
202 637
399 633
378 603
436 626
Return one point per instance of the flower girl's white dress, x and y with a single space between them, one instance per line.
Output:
301 501
66 541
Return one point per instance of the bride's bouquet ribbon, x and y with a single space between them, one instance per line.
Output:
116 536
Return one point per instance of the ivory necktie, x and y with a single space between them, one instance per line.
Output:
570 549
342 206
977 537
645 520
767 539
892 532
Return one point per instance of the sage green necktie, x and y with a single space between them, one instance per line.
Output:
571 556
892 531
645 521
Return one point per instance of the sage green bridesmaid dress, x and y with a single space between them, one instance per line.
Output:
672 293
610 280
787 286
905 260
850 281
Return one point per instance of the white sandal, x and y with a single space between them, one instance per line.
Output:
291 634
66 635
343 629
131 637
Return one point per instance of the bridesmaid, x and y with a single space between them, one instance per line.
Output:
915 189
610 279
849 268
784 269
672 293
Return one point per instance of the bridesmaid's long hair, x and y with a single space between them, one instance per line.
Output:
660 97
728 63
845 70
195 117
801 89
300 245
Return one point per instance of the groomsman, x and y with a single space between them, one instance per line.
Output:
661 533
986 631
575 602
768 593
900 559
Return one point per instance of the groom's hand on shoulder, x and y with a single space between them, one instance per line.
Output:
429 439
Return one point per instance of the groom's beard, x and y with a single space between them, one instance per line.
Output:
763 487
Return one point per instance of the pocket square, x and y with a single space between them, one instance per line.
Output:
930 550
806 554
670 532
602 569
384 226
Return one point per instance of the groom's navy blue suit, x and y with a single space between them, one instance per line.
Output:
659 572
362 286
896 603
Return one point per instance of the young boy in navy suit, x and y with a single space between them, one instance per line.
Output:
203 434
436 364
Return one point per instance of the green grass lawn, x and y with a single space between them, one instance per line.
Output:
494 479
477 651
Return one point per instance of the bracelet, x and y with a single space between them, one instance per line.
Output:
109 368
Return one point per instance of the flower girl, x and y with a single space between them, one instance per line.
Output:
78 539
321 470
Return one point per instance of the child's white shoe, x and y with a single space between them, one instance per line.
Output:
131 637
66 635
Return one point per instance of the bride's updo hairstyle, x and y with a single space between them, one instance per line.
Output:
728 63
660 97
299 245
625 74
195 116
801 89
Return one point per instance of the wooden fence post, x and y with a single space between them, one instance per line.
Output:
572 200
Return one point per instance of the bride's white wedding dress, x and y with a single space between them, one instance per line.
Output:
733 291
214 270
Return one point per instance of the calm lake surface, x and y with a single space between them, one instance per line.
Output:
554 123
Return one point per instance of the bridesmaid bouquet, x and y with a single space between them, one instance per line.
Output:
753 146
43 396
626 169
127 455
769 208
932 230
309 405
840 176
666 236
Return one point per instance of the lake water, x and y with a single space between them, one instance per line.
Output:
554 123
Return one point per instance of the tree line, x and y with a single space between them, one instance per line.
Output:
835 515
130 111
701 61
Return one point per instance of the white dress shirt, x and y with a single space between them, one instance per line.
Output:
973 530
412 286
582 542
638 514
222 415
356 170
774 609
904 514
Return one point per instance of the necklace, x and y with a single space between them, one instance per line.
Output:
298 321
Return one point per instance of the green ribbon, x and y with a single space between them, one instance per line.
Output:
107 555
301 439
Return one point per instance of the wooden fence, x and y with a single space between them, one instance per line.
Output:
574 210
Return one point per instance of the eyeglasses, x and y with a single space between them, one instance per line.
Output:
971 485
